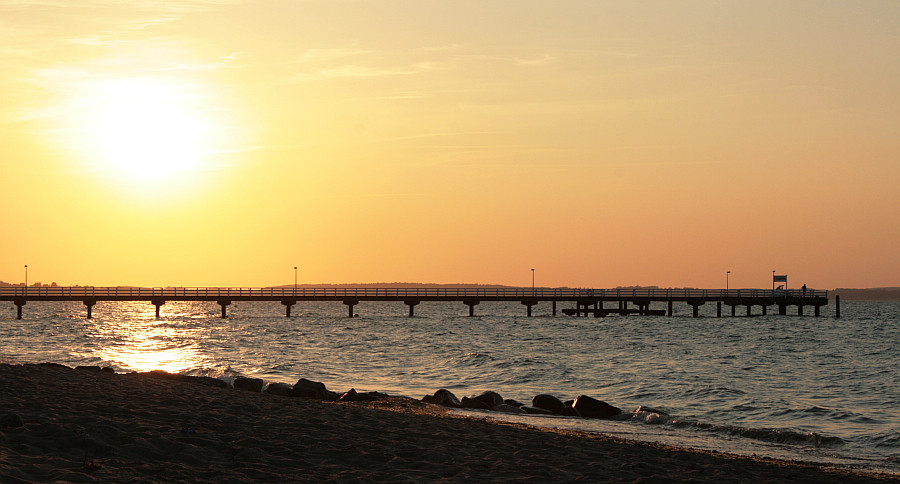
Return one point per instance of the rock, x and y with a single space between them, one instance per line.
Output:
282 389
350 396
372 396
548 402
593 408
310 389
649 410
569 411
444 398
249 384
510 401
508 408
87 368
491 399
535 410
11 420
474 404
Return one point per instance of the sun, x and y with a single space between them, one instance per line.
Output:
146 129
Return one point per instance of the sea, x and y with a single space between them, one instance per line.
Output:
813 389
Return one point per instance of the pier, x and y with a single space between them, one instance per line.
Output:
585 302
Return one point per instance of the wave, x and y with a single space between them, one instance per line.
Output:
772 435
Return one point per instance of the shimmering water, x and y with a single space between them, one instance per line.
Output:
819 389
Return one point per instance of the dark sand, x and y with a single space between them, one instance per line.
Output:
143 428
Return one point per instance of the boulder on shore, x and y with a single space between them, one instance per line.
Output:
350 396
249 384
474 404
593 408
491 399
310 389
282 389
548 402
507 408
444 398
535 410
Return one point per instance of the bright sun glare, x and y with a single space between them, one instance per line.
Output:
146 130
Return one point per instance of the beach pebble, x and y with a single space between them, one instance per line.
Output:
248 384
592 408
548 402
11 420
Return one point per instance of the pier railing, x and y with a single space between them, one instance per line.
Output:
139 293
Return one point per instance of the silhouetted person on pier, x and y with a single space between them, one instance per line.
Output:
804 289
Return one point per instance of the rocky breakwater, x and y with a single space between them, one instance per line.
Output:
544 404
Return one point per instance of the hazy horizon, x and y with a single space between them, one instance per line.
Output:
579 143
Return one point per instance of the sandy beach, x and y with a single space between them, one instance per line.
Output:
65 425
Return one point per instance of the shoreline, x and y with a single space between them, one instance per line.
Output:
146 428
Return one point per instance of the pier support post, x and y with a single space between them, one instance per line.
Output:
411 305
696 303
350 303
765 309
749 310
817 310
529 303
554 308
718 309
837 306
669 313
471 303
782 309
799 310
157 303
21 302
733 310
224 303
287 307
90 304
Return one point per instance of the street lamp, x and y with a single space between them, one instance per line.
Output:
295 280
26 280
773 282
532 282
728 273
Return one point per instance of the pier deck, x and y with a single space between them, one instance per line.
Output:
586 301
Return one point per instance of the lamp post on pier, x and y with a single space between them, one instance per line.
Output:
728 273
295 280
773 282
532 282
26 280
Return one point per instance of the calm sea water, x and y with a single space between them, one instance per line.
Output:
816 389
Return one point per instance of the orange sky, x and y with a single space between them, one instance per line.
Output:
222 143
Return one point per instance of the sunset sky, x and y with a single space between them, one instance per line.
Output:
602 143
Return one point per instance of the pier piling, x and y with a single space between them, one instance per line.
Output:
224 303
412 304
90 305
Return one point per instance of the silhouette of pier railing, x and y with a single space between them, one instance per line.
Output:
587 301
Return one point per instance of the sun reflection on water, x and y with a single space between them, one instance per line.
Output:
137 341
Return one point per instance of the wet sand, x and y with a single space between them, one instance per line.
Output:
59 424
